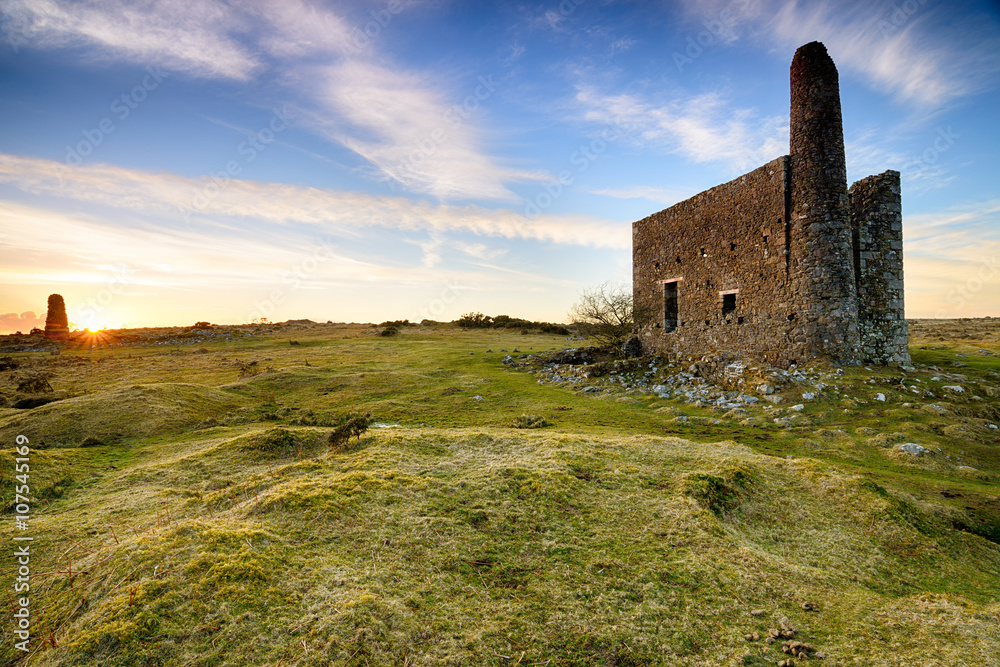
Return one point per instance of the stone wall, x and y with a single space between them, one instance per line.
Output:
877 230
730 241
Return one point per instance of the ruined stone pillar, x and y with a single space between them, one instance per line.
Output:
877 227
820 263
56 323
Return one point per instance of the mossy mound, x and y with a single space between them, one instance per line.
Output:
559 547
137 411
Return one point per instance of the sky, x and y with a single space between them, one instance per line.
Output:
164 162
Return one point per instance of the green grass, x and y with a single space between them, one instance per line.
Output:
219 528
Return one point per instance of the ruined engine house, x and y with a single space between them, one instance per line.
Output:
785 263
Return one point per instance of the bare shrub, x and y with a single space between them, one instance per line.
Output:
352 425
606 313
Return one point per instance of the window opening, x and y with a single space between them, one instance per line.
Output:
728 303
669 306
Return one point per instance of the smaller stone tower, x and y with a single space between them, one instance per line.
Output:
56 323
821 265
877 230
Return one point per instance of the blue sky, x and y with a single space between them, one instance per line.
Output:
165 162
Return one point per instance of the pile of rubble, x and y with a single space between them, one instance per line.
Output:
747 391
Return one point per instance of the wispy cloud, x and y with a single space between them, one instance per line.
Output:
195 36
703 128
952 261
413 130
279 203
304 30
952 232
413 133
667 196
872 152
905 48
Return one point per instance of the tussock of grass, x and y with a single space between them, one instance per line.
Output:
531 421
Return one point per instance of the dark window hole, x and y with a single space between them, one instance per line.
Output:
728 303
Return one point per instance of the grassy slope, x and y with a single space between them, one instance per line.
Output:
454 539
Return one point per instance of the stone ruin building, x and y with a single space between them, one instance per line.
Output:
786 263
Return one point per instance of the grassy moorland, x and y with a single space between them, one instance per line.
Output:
189 509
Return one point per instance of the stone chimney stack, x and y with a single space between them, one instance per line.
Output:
56 324
821 258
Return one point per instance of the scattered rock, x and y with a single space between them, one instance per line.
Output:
632 347
911 448
591 390
757 612
956 388
797 649
810 606
765 389
735 370
798 408
808 396
880 397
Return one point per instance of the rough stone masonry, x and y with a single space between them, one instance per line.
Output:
785 263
